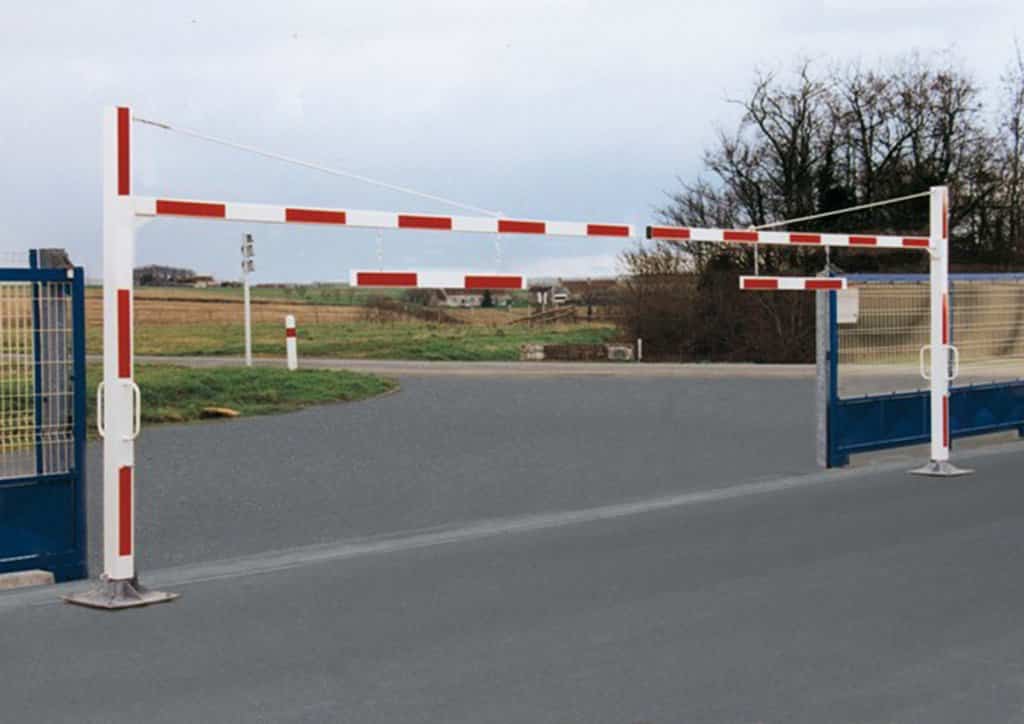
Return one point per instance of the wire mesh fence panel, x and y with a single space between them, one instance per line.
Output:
880 352
17 382
36 384
988 330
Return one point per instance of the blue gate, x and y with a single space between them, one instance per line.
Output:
869 422
42 417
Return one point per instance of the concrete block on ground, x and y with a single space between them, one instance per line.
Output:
620 352
24 579
531 352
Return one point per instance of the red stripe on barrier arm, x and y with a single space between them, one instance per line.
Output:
315 216
386 279
407 221
746 236
945 421
190 208
124 152
481 281
915 242
823 284
289 332
124 333
511 226
756 284
863 241
607 230
805 238
124 511
668 232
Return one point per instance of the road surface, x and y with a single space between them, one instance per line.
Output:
509 549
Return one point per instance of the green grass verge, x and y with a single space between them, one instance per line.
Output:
364 340
178 394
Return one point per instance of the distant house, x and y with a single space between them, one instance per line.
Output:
547 294
155 275
468 298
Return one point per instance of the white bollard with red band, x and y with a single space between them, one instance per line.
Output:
290 342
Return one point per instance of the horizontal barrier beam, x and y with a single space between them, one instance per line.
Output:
785 238
435 279
792 284
269 214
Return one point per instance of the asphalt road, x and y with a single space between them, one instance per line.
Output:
448 450
389 569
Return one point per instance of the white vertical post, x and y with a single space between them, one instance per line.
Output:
939 302
247 266
122 402
639 349
290 342
118 362
939 337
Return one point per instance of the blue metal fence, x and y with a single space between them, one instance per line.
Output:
42 420
882 421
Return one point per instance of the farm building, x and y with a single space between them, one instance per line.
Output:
469 298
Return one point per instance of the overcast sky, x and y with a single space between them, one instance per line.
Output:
562 110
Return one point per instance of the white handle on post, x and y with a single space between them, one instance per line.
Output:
137 401
99 410
952 372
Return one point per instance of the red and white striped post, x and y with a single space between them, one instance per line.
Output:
944 356
119 416
290 343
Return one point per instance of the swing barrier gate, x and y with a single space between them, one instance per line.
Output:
124 212
873 349
42 418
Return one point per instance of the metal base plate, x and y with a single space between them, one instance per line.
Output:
113 595
943 469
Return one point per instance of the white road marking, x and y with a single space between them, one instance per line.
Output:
301 556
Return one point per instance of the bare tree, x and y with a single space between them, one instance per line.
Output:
822 139
1012 128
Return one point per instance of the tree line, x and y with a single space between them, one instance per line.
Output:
823 138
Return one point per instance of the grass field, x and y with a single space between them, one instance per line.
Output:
330 294
179 394
170 305
364 340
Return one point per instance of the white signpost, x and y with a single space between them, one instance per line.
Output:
248 265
